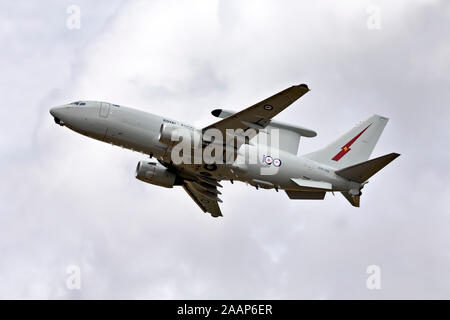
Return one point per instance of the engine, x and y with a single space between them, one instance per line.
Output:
171 135
155 173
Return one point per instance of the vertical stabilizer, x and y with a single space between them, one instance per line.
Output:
353 147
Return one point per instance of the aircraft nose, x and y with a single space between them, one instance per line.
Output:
53 111
56 113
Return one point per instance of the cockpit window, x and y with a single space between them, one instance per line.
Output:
79 103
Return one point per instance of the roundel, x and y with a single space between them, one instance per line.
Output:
276 162
268 160
268 107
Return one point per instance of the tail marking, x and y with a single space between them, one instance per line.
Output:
346 147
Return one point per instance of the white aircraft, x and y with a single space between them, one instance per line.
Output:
242 153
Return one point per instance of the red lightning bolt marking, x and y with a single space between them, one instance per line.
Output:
346 148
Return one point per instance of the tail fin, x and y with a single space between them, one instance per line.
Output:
353 147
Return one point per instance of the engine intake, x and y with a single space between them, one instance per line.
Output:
170 135
155 173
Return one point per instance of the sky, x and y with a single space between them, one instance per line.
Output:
69 201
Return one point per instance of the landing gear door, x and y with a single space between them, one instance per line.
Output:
104 109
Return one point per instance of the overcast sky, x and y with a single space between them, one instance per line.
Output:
69 200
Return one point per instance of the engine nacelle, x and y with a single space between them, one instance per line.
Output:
171 135
155 173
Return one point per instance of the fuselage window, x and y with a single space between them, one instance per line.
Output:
82 103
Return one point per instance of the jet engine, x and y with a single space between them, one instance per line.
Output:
155 173
170 135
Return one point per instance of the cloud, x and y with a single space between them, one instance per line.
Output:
69 200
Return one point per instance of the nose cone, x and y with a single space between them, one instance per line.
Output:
56 112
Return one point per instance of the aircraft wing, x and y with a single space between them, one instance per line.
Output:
204 195
258 116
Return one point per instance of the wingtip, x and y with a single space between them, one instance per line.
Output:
216 112
303 85
216 215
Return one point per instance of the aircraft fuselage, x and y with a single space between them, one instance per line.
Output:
139 131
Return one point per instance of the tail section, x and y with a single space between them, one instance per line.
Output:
353 147
354 200
361 172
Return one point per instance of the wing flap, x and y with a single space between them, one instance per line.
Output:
206 203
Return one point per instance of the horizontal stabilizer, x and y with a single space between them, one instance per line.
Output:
297 195
363 171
